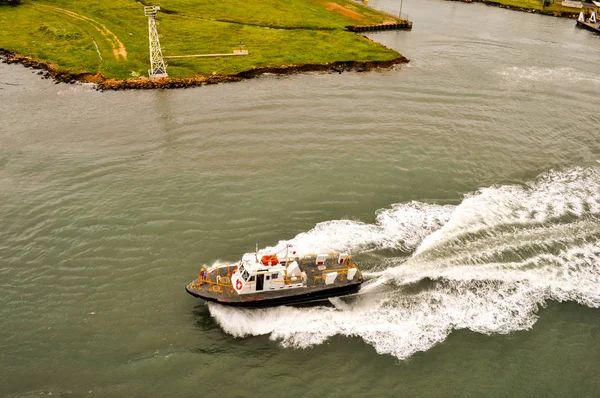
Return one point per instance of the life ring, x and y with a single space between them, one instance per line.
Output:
269 259
238 285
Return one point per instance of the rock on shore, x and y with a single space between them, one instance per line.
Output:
48 70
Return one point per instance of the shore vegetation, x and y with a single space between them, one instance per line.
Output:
110 38
551 7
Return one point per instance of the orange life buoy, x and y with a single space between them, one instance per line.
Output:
238 284
269 259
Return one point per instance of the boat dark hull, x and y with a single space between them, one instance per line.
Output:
291 299
588 26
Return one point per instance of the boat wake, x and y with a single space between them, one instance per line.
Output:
486 265
518 75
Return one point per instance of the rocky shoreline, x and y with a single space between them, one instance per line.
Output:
49 71
492 3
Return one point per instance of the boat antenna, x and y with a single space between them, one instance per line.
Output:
256 252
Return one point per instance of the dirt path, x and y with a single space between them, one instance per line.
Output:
344 11
118 47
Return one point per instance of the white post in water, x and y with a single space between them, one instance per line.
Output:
158 68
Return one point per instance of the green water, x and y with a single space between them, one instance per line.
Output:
466 185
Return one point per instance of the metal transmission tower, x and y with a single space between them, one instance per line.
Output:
158 68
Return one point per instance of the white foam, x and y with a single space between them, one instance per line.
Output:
525 245
401 227
574 192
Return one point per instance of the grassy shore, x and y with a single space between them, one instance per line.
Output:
554 8
111 37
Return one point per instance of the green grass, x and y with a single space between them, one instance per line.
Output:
295 13
556 6
276 33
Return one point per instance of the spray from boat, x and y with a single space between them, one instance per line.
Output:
487 265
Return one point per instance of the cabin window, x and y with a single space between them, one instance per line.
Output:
268 277
274 276
243 273
252 279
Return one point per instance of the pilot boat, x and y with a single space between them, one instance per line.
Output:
266 279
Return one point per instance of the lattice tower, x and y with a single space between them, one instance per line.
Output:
158 68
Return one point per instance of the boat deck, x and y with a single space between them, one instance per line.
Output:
217 285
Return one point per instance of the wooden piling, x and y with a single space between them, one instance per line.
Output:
404 25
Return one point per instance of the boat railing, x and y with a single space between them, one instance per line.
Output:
323 276
348 263
219 278
218 283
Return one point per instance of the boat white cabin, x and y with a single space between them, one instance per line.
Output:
261 279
